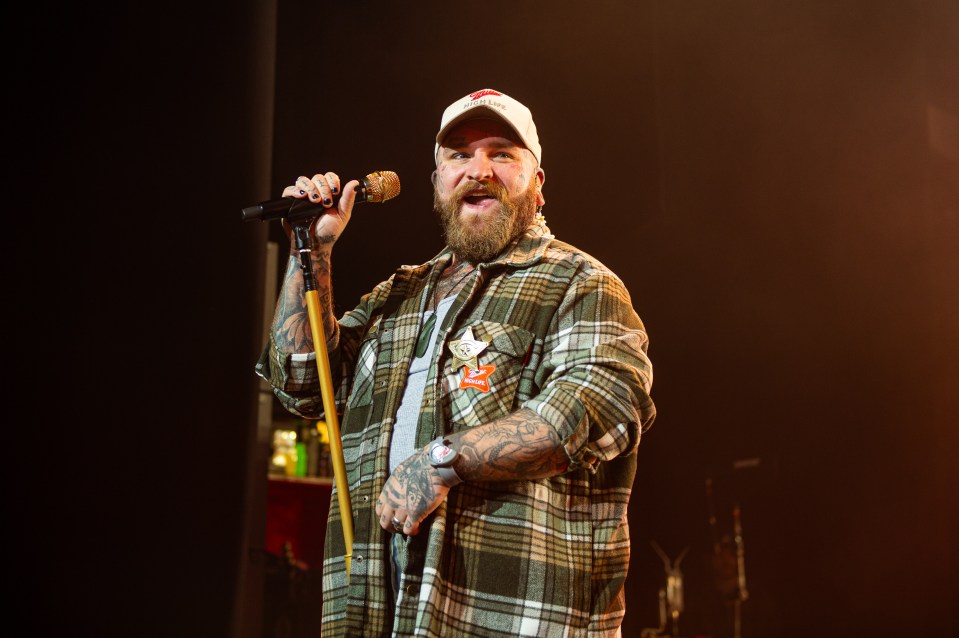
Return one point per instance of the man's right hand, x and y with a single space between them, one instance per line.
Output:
323 188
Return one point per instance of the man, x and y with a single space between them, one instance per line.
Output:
493 400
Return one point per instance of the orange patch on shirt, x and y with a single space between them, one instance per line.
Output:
476 379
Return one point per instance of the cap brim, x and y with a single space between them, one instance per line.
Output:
477 113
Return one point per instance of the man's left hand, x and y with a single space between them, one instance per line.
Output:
412 493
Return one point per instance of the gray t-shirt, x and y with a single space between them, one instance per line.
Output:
407 416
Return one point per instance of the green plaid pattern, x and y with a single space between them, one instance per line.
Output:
519 558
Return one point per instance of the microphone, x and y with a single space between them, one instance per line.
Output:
375 187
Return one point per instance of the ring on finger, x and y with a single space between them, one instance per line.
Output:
397 525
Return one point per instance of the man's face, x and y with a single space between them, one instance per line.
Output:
486 188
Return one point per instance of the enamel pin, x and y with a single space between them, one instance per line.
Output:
466 350
476 378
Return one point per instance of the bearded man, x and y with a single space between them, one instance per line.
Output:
493 399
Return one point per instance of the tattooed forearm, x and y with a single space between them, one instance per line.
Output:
519 446
324 282
291 322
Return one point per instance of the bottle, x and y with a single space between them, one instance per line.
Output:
299 465
283 459
289 452
325 460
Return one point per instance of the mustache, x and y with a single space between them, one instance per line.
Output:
491 188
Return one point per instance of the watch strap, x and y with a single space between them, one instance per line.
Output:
449 476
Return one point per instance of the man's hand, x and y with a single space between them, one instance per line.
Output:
413 492
321 189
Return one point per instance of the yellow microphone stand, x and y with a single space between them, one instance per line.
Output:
378 186
301 233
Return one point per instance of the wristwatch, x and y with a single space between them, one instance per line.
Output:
442 457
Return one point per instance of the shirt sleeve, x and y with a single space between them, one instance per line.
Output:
295 377
596 375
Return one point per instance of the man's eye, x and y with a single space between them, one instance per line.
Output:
504 155
458 156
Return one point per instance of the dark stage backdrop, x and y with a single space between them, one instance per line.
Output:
135 134
775 182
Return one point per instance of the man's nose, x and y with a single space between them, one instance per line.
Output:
480 168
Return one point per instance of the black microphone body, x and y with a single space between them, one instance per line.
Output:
375 187
289 208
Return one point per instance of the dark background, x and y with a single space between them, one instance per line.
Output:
775 182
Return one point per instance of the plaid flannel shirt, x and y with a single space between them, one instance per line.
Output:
519 558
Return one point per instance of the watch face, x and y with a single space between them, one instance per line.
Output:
441 454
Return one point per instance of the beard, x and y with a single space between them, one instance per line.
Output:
477 241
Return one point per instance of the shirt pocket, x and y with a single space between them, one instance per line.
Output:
490 392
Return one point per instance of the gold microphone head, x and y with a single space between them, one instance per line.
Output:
381 186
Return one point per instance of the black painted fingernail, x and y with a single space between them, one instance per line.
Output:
327 201
335 190
302 192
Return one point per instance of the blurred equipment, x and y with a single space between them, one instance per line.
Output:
743 594
728 560
671 597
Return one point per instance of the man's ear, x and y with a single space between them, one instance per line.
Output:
541 176
433 178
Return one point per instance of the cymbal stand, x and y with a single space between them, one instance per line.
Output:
743 593
674 586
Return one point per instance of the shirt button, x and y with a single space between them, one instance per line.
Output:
359 559
380 384
366 499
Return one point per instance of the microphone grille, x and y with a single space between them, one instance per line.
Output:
381 186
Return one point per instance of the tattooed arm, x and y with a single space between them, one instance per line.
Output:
519 446
291 325
291 322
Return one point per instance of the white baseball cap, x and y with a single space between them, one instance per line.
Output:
502 106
